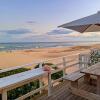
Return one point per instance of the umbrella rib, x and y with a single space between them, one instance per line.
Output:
86 28
97 24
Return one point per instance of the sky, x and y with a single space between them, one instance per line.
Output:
37 20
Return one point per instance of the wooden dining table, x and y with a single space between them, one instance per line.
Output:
94 70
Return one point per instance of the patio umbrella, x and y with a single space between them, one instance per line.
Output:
87 24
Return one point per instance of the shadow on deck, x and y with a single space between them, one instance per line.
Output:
61 91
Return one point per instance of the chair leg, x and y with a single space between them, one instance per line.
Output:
87 78
74 84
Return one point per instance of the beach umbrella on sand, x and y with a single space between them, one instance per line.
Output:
87 24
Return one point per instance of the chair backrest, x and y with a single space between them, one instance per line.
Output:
86 60
83 61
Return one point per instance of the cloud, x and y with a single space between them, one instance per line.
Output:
56 35
59 31
70 33
16 31
31 22
88 34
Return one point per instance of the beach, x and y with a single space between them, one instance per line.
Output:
21 57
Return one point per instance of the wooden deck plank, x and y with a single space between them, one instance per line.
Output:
84 94
61 92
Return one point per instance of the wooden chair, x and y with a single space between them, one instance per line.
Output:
75 76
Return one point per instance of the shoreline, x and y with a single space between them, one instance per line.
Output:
77 43
21 57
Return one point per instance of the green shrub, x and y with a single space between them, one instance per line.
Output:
15 93
55 75
49 64
94 57
12 72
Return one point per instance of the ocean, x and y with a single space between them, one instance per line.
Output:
30 45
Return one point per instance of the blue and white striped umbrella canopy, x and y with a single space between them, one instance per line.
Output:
87 24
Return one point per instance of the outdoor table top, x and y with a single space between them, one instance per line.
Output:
92 70
20 77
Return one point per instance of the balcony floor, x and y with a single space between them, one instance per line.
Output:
61 92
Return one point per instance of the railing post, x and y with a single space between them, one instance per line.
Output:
86 60
4 95
49 84
64 65
40 80
80 61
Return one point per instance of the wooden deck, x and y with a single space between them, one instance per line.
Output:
57 92
61 92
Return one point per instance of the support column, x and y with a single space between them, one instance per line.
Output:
49 85
64 65
4 95
40 80
98 85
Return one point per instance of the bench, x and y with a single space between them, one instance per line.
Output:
74 77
